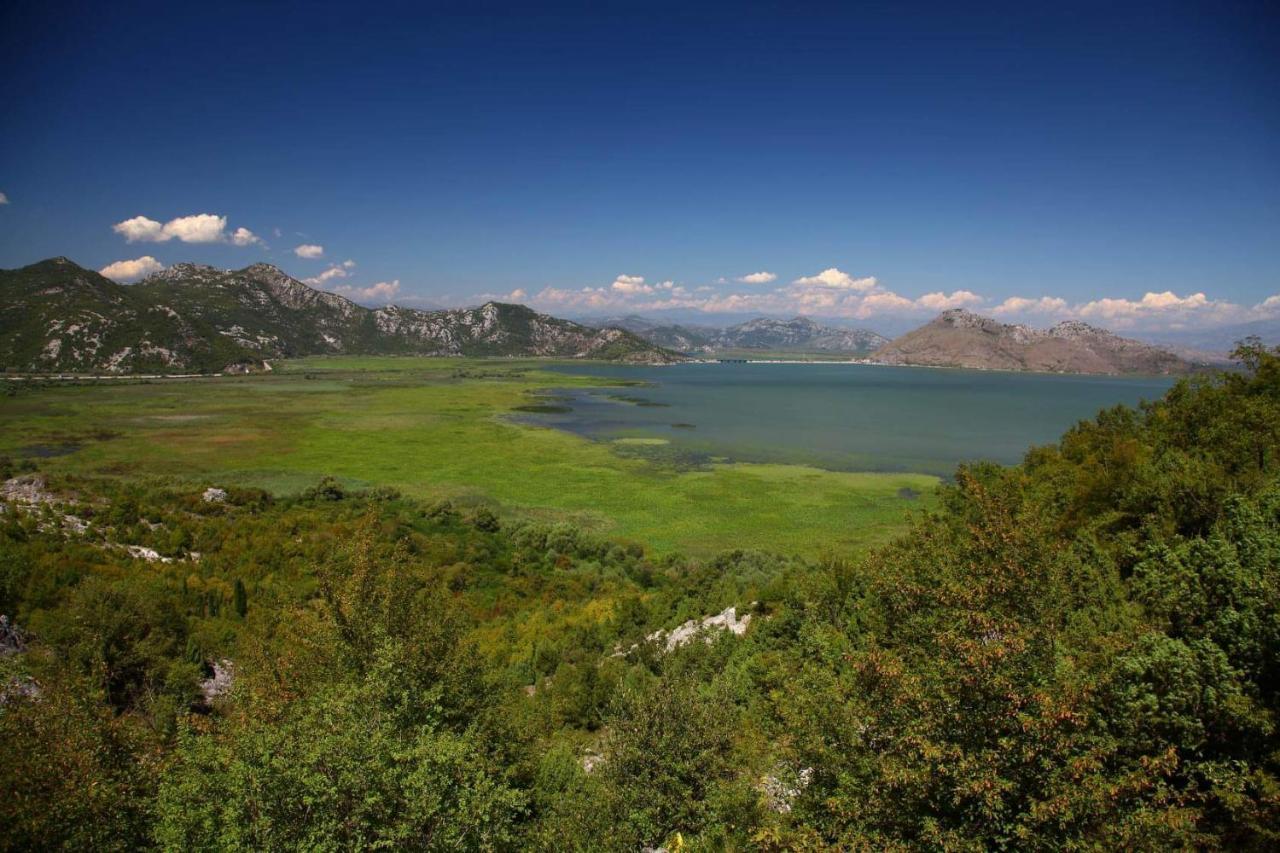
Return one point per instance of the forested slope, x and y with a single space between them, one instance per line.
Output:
1080 651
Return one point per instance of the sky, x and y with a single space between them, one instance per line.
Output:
874 162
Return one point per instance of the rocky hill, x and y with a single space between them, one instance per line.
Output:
58 316
681 338
798 333
763 333
959 338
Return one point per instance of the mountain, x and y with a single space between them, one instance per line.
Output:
762 333
56 315
682 338
798 333
959 338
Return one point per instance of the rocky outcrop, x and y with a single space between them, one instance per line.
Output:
687 632
960 338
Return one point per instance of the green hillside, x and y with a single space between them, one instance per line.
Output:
57 316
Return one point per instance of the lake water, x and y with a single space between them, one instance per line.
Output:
837 416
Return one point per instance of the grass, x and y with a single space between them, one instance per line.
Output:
438 428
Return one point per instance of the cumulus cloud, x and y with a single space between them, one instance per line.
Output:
1023 305
1154 311
944 301
836 279
201 228
140 229
309 250
380 292
4 199
882 302
198 228
245 237
131 270
631 285
1165 308
758 278
333 272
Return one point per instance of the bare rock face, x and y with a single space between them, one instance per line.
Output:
960 338
726 620
28 489
219 683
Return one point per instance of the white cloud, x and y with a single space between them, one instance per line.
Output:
200 228
758 278
4 199
381 292
140 229
197 228
1050 305
1167 308
943 301
883 302
349 264
130 270
1155 311
328 275
836 279
245 237
631 285
309 250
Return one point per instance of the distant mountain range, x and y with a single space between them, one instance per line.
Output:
58 316
959 338
798 334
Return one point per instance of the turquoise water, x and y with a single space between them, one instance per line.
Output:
838 416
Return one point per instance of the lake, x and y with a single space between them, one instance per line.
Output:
838 416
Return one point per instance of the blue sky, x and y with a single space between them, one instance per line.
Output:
874 160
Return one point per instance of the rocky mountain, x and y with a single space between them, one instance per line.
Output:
959 338
681 338
798 333
763 333
58 316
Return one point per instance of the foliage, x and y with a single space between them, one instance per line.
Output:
1082 651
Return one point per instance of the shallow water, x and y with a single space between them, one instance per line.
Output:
841 416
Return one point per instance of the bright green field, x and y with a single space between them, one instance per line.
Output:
437 427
